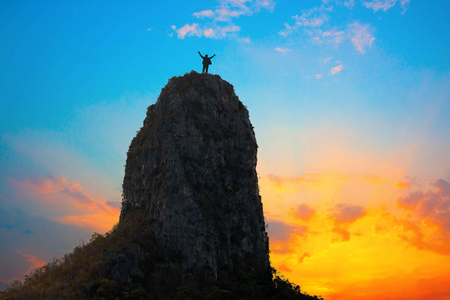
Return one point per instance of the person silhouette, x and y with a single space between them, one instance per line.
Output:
206 62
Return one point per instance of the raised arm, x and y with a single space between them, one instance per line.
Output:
200 54
212 56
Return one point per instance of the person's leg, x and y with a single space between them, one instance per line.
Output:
206 68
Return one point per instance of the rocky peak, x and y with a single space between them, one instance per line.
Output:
191 225
192 168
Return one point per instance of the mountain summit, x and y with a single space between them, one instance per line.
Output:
192 168
191 225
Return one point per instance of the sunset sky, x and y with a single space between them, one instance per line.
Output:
350 100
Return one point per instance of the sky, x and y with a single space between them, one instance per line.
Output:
350 100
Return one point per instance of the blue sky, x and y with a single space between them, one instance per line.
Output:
332 86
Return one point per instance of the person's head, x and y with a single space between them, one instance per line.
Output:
206 55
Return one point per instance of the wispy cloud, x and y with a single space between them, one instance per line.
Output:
325 60
282 50
33 260
377 5
405 5
333 36
244 40
385 5
362 36
86 210
219 21
54 188
318 76
314 24
311 18
204 14
215 32
99 221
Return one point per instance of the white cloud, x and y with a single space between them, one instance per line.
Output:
314 23
334 36
404 4
311 18
216 32
219 23
282 50
318 76
188 30
310 22
209 32
362 36
149 29
223 31
336 69
205 13
385 5
225 14
287 30
377 5
267 4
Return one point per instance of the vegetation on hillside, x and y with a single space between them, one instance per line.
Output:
87 273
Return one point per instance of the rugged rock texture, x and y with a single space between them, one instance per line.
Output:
192 168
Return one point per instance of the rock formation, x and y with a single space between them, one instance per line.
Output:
192 168
192 224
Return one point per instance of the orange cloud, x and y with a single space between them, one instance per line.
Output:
305 255
364 237
279 181
344 213
33 260
343 233
57 186
284 268
100 215
336 69
429 214
282 234
403 185
303 211
102 222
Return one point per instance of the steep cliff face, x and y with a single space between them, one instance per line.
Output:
192 168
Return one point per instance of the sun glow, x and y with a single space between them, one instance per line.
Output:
365 236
